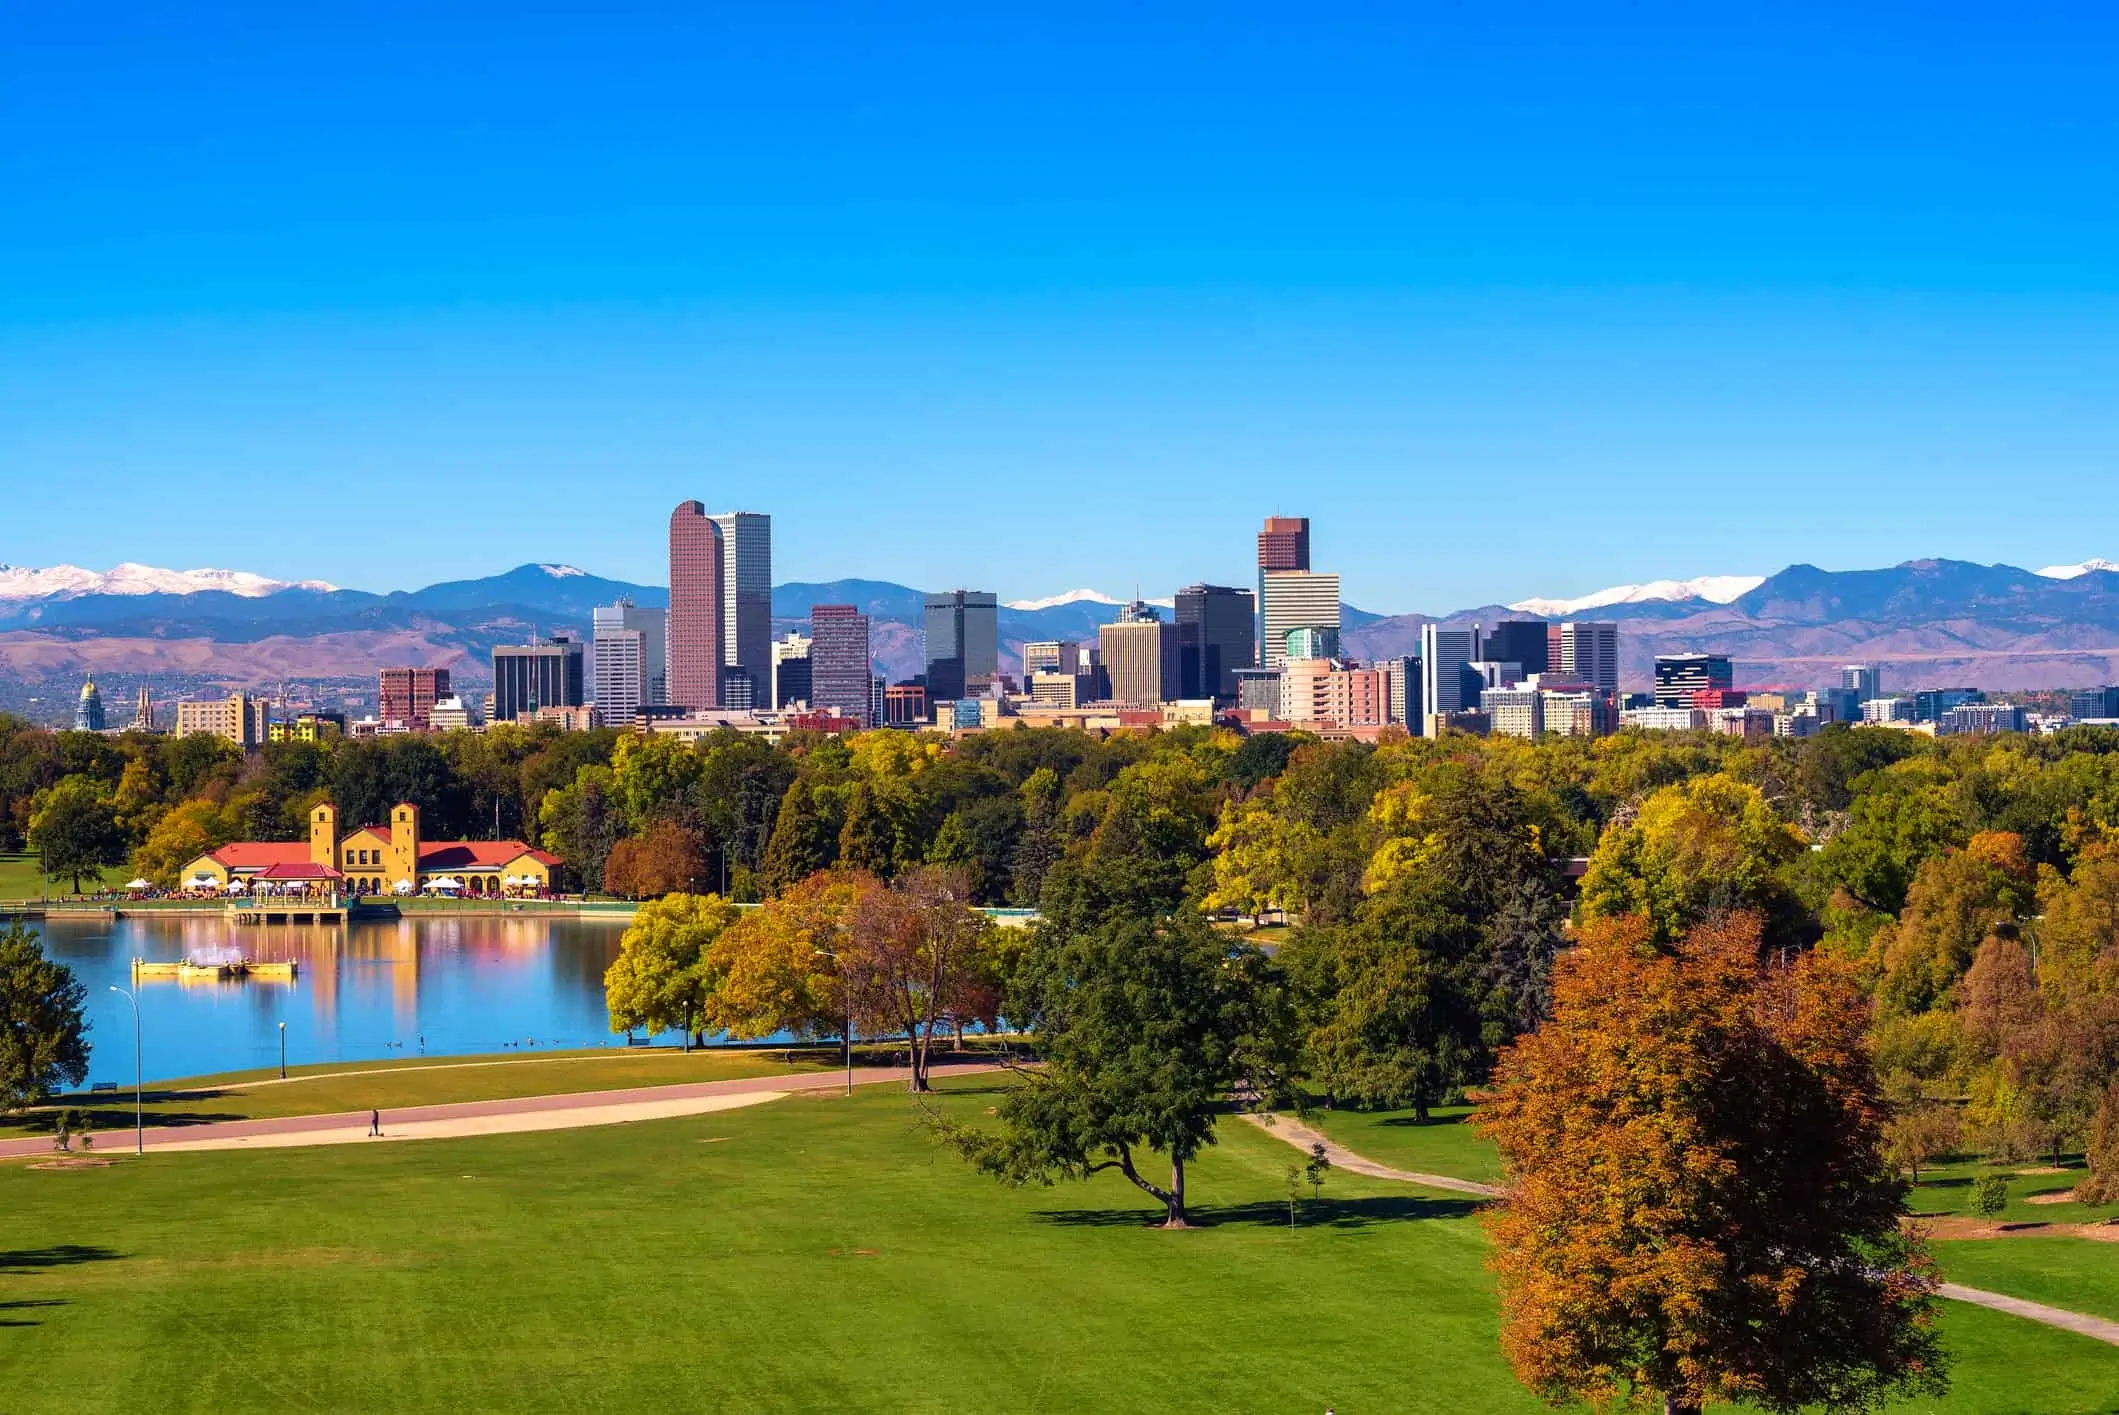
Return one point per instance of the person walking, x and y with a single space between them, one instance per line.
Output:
375 1122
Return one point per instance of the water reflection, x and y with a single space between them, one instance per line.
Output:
446 986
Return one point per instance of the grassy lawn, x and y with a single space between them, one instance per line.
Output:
19 879
1946 1191
389 1085
811 1254
2078 1274
1446 1144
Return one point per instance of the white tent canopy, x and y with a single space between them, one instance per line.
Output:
403 886
139 884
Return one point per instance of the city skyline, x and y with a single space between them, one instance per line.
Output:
1402 267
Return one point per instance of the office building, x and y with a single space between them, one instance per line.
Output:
2083 703
1486 672
1741 721
1677 718
1576 711
790 669
1838 704
1933 704
1887 710
405 697
239 718
1444 655
963 643
1981 719
631 670
1865 680
1680 675
1141 661
315 727
1514 711
1402 690
454 714
1295 599
546 673
88 708
746 604
840 679
905 704
1258 691
1588 653
697 633
1319 690
1217 634
1058 656
1524 642
1311 641
1284 544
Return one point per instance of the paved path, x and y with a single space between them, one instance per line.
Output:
1302 1137
488 1117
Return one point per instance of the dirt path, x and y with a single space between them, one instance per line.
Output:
1302 1137
522 1113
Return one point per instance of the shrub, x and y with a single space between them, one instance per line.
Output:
1990 1195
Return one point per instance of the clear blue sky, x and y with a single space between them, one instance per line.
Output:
1508 300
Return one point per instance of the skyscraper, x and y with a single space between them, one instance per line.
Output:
1295 599
1141 661
1283 544
697 639
963 643
1217 628
840 680
1522 642
1444 653
406 696
747 598
1589 653
630 645
539 674
1679 675
790 669
1866 679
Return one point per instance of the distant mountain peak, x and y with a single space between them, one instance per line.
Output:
1715 589
1082 596
562 572
2070 572
71 581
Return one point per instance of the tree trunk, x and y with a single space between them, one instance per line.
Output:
1176 1201
917 1053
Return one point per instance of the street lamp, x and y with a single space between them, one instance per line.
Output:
283 1051
139 1133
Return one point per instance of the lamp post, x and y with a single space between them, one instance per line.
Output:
139 1133
283 1051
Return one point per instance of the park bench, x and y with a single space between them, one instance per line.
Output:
97 1088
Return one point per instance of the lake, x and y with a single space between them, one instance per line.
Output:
363 992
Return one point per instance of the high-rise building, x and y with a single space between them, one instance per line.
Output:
1295 599
1930 704
1283 544
1981 719
790 669
1141 661
1319 690
2088 703
630 643
747 599
405 697
840 679
544 673
240 718
963 643
1866 679
1589 653
1217 634
88 709
697 634
1680 675
1514 711
1444 656
1522 642
1402 684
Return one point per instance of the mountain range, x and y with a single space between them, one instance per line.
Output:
1927 621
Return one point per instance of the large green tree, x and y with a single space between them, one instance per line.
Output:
43 1039
661 978
75 831
1146 1025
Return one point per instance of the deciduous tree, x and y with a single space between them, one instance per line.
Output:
1700 1208
912 957
43 1040
661 977
73 828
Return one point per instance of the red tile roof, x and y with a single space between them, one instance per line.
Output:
476 855
304 870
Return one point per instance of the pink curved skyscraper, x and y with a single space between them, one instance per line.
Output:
695 644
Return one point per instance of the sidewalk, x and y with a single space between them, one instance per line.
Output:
488 1117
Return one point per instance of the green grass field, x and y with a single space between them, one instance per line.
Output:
19 879
1945 1191
1445 1144
813 1254
2074 1273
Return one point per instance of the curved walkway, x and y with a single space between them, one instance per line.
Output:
494 1117
1302 1136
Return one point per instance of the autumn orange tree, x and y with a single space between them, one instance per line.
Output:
778 966
913 957
1699 1207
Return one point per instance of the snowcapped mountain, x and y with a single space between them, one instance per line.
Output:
2072 572
1715 589
70 581
1083 596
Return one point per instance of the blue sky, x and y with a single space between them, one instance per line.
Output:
1523 301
